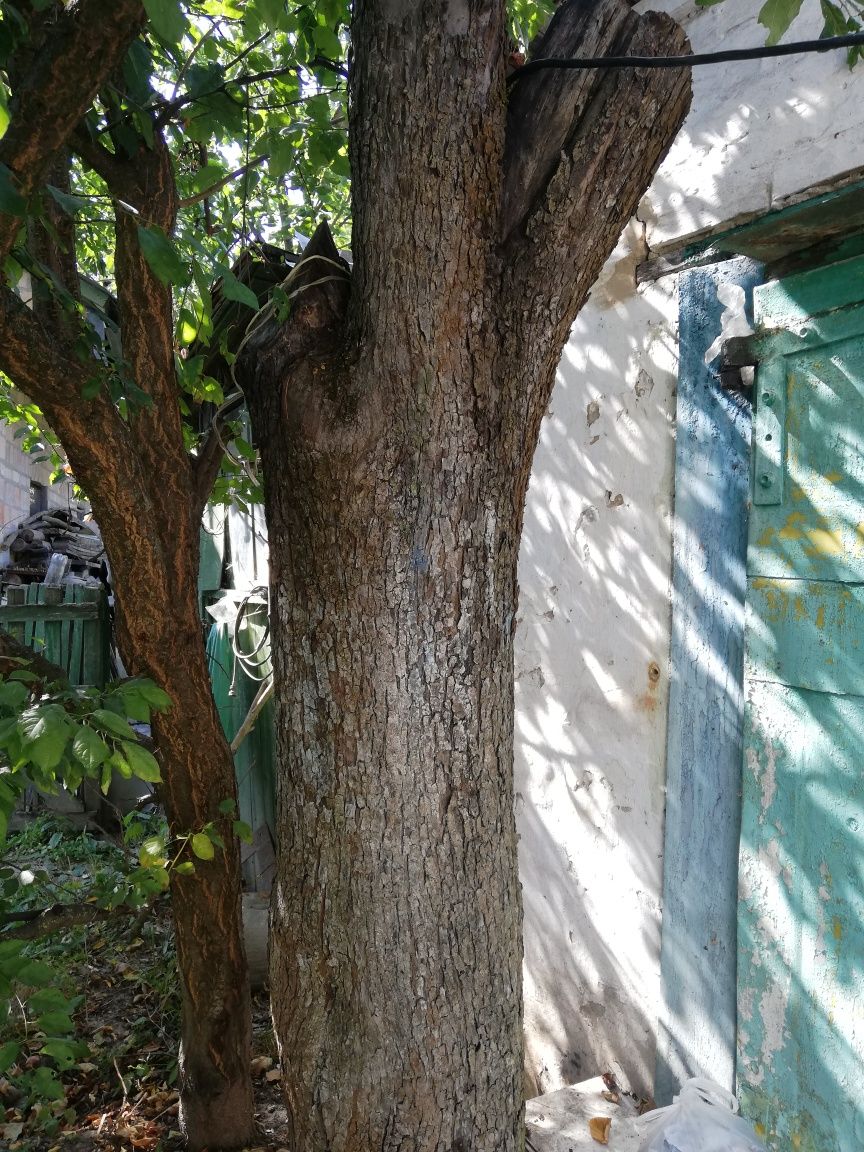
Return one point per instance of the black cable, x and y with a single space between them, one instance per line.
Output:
582 64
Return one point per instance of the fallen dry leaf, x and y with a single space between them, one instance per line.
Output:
273 1074
599 1127
612 1097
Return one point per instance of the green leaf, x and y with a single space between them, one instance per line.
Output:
243 831
52 1000
121 765
89 748
207 176
112 723
152 853
272 12
46 729
35 974
8 1055
167 19
232 289
9 949
327 43
185 868
12 693
62 1052
162 256
56 1022
228 807
158 700
202 846
776 16
4 108
11 200
46 1084
835 20
142 762
67 202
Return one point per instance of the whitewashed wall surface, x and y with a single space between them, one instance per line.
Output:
593 636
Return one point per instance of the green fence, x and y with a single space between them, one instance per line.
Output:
68 626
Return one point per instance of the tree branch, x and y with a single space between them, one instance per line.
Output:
39 363
93 434
52 243
83 44
317 289
119 175
146 323
205 468
13 653
168 108
563 225
208 192
543 110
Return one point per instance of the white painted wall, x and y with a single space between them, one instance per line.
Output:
759 132
593 637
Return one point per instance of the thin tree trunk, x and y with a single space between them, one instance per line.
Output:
151 532
160 635
147 495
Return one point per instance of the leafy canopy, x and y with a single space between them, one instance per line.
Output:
250 98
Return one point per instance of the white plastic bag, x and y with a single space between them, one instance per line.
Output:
703 1117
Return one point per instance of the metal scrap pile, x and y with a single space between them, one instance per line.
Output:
54 547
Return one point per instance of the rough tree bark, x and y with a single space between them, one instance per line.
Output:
397 412
148 497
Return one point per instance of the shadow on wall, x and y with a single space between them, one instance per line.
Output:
758 131
591 688
592 645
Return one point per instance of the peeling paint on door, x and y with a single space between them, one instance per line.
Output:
800 1061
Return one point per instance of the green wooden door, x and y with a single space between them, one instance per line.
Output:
800 1060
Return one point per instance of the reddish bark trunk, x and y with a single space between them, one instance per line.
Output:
147 499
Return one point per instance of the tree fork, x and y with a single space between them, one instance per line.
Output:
396 430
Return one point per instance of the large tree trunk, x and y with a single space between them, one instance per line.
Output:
397 416
396 927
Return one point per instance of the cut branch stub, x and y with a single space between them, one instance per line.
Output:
315 293
545 110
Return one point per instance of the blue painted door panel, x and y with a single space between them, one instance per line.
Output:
806 633
801 919
800 1058
815 528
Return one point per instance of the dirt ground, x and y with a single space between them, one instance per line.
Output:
124 1095
121 1093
